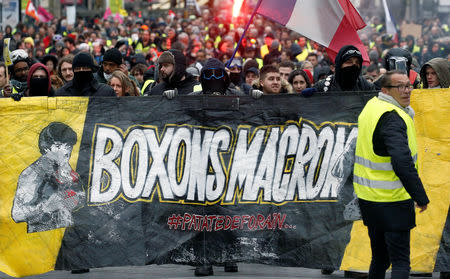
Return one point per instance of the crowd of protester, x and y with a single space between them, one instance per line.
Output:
188 53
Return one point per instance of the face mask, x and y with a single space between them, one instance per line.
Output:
348 77
215 87
82 79
107 76
235 78
38 87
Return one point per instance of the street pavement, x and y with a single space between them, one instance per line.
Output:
184 271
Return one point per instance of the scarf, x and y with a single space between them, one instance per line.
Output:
387 98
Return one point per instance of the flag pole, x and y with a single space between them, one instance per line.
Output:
245 31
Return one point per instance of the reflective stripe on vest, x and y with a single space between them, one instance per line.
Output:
377 166
378 184
374 178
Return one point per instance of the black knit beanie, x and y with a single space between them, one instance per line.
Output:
83 59
113 55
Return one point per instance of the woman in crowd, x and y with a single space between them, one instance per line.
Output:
138 72
300 80
51 62
122 85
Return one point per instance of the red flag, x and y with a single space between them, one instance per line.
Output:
31 11
352 14
172 14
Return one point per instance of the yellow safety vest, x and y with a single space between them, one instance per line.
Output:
264 50
258 60
416 49
373 176
302 56
197 87
146 83
309 47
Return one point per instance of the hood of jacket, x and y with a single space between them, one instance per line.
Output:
213 63
178 59
33 69
344 54
442 68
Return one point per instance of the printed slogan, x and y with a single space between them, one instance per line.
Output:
188 164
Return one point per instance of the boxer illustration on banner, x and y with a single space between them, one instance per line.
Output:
48 191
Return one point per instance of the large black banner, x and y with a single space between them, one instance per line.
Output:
93 182
215 179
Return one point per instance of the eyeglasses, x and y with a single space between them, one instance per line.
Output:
213 73
402 87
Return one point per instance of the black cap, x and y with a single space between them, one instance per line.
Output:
252 70
113 55
83 59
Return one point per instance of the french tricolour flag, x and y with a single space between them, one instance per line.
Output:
331 23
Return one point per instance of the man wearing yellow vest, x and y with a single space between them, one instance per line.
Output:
385 179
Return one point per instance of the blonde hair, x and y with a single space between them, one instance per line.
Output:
129 87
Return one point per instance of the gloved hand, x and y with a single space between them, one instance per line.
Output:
17 96
255 93
170 94
308 92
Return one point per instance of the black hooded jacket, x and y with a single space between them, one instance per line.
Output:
230 89
94 89
333 82
184 86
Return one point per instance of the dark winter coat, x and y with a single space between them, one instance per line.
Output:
95 89
184 87
331 84
231 91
